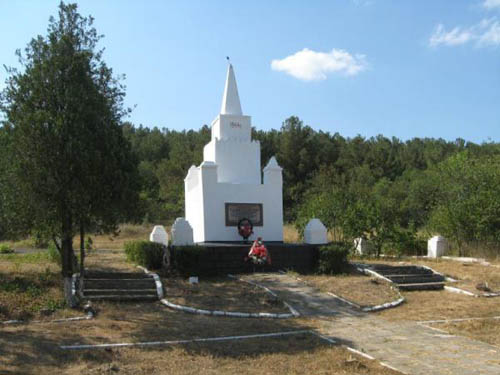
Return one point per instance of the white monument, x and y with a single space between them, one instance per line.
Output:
182 233
315 232
159 234
228 185
437 247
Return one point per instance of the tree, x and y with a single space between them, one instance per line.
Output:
72 167
468 205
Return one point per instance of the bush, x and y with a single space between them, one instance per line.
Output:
53 253
187 260
405 242
5 249
333 257
39 240
145 253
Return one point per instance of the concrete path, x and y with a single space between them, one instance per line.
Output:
407 346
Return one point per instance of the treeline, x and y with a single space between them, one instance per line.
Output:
388 190
380 188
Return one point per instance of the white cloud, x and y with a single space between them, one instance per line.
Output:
492 35
450 38
308 65
362 2
485 33
490 4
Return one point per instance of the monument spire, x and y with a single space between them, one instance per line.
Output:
231 100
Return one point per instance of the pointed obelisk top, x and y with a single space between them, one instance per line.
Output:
231 100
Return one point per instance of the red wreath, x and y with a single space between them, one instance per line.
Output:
245 228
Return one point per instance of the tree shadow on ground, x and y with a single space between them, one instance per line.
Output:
27 351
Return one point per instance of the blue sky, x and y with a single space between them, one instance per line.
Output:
404 68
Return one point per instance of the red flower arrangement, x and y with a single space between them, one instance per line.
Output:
258 253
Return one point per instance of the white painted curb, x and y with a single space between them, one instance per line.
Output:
375 308
159 286
233 314
466 292
177 342
89 316
294 312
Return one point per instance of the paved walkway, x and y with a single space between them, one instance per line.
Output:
407 346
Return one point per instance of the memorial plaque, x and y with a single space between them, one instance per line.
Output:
237 211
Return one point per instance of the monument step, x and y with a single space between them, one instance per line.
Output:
91 292
117 284
401 270
421 286
115 275
404 279
123 297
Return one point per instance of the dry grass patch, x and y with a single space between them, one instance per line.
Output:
222 294
31 288
436 305
109 260
35 349
126 232
482 330
357 288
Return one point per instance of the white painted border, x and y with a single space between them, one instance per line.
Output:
226 338
177 342
375 308
294 312
233 314
466 292
455 320
158 284
89 316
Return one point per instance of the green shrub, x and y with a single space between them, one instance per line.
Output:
187 260
333 257
53 254
145 253
39 240
5 249
405 242
89 244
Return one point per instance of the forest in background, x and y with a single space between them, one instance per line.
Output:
393 192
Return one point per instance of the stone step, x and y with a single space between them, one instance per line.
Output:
120 284
421 286
403 270
92 292
116 275
417 279
410 275
123 297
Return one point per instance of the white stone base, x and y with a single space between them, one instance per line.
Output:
315 232
437 246
159 235
182 232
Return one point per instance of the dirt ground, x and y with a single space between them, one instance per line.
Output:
34 349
